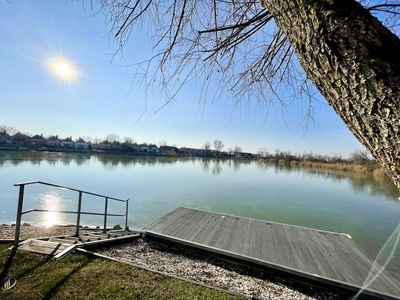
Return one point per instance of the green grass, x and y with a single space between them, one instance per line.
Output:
82 277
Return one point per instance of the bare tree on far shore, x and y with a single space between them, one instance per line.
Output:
8 129
112 137
128 140
237 150
218 145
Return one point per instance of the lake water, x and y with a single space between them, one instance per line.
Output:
366 209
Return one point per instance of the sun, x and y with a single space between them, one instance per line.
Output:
64 69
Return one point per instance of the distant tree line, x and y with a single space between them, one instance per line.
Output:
356 157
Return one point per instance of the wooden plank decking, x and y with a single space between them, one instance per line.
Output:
326 257
58 246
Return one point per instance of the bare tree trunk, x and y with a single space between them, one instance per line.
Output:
354 61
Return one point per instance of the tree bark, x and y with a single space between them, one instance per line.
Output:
354 61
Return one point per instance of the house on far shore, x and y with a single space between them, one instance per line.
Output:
191 151
4 138
53 141
135 147
94 145
153 148
19 139
105 145
81 144
67 143
116 145
245 155
144 148
131 147
37 141
168 149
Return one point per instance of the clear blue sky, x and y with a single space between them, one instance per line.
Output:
92 100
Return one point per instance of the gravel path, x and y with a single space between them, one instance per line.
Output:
8 232
214 272
193 266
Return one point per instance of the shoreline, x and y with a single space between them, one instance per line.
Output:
7 232
373 169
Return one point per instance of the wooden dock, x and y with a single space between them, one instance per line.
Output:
322 257
61 245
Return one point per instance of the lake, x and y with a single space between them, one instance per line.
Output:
359 205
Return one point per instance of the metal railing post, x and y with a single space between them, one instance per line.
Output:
105 214
78 219
126 214
19 215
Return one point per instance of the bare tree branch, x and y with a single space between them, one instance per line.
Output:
238 53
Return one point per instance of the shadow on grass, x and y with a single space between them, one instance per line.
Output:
10 260
7 294
59 284
13 259
7 265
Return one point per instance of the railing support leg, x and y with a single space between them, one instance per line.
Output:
126 214
19 215
78 218
105 214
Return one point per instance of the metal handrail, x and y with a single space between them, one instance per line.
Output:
70 212
78 212
67 188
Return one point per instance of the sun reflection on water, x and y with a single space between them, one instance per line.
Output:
53 202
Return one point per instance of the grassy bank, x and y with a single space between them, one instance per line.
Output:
370 168
80 277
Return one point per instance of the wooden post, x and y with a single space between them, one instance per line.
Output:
78 219
105 214
19 215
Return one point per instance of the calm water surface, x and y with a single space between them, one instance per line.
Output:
366 209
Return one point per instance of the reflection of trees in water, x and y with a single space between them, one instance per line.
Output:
205 162
112 161
81 159
153 161
216 164
51 159
109 163
17 161
128 162
35 162
236 165
34 158
285 169
375 187
65 159
217 167
5 156
359 182
261 165
16 158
